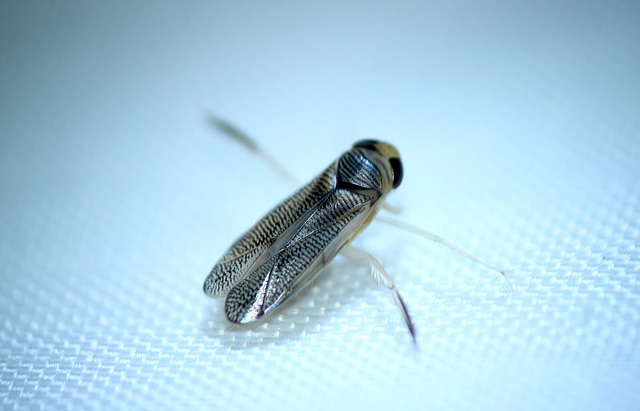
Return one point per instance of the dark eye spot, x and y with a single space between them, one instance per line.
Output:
368 144
396 167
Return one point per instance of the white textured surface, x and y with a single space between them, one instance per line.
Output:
519 125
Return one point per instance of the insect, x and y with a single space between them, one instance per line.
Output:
293 243
286 249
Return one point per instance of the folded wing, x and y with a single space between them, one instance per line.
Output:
243 254
317 241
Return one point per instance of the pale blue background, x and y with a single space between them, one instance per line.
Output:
519 125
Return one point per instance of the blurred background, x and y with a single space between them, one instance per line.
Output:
519 127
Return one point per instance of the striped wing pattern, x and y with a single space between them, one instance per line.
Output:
292 243
241 256
292 267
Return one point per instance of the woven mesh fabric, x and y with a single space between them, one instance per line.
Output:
519 128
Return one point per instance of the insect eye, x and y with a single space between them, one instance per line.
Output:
396 167
369 144
388 151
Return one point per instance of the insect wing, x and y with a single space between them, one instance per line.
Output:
291 268
259 239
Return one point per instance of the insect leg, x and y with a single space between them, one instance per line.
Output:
242 138
392 209
442 241
383 278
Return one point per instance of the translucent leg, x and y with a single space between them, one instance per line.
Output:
383 278
442 241
242 138
392 209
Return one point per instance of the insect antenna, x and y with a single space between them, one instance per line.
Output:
438 239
